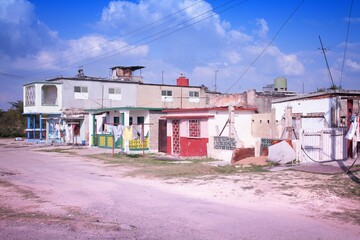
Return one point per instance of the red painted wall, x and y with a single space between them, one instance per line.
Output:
193 147
168 145
189 147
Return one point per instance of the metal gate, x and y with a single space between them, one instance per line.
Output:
322 144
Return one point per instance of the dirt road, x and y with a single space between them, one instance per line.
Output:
57 196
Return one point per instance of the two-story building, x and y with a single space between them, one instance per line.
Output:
69 109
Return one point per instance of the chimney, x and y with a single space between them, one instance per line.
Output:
182 81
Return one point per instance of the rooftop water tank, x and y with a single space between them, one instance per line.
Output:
280 84
182 81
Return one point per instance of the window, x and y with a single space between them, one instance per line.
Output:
115 93
140 120
30 96
79 89
114 90
116 120
194 96
81 92
166 93
166 96
194 128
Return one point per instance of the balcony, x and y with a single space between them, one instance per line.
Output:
42 98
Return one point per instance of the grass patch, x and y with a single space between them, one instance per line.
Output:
25 193
60 150
251 168
153 166
355 191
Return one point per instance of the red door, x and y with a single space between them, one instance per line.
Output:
162 135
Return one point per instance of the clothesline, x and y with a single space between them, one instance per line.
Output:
129 133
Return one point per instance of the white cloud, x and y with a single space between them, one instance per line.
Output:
290 65
16 11
140 38
234 57
21 33
264 29
236 37
353 65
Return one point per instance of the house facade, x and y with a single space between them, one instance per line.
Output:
208 132
55 108
317 123
103 124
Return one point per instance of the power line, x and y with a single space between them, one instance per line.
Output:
138 41
327 64
346 42
162 34
124 35
267 46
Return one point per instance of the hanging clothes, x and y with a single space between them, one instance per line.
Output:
134 133
137 132
68 133
352 130
118 131
128 133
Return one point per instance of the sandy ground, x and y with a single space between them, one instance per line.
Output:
304 197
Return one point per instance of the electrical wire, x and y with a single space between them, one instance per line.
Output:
154 36
122 36
163 33
312 159
97 102
267 46
346 42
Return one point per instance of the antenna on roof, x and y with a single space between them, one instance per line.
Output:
80 72
333 87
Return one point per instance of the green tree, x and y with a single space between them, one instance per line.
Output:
12 122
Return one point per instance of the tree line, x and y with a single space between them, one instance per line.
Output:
12 121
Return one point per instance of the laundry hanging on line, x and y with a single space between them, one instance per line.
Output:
129 133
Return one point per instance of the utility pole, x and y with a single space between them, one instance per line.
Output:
327 64
216 71
162 77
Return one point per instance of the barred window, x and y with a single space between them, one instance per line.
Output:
194 128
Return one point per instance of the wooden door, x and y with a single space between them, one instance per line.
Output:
162 135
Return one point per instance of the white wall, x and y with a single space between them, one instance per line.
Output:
306 106
39 108
242 126
98 94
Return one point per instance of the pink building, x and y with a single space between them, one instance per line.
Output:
194 132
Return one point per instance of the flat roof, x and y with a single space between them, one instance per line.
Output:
106 80
96 110
319 95
175 110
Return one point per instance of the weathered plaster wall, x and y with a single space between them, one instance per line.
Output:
263 125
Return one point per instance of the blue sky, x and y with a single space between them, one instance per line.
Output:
43 39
